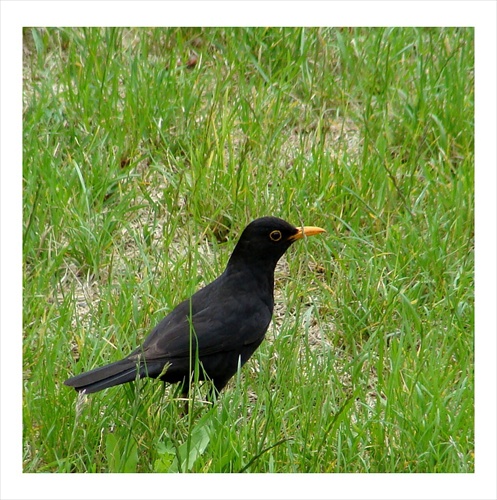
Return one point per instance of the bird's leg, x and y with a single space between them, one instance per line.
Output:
183 390
212 395
216 387
185 394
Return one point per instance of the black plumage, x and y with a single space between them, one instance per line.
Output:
219 327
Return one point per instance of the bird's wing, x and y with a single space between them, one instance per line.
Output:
223 325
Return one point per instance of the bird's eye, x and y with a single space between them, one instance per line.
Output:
275 235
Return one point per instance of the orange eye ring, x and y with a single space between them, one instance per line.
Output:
275 235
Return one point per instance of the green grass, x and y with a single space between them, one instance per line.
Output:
146 152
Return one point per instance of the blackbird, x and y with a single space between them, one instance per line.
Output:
219 327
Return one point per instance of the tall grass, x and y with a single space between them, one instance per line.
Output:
146 152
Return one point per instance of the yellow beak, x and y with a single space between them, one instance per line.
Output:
306 231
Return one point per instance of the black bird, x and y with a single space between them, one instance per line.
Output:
219 327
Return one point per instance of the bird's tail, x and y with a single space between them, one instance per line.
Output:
120 372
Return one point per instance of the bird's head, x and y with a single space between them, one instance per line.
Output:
265 240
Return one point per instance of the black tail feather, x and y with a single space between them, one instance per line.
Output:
110 375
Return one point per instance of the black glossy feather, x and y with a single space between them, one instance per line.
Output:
222 324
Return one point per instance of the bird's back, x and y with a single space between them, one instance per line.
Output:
221 325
